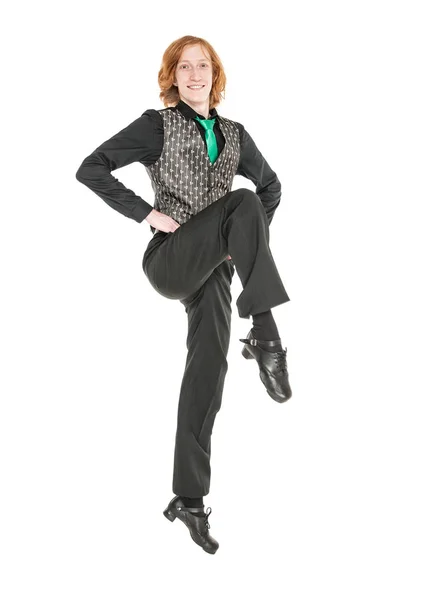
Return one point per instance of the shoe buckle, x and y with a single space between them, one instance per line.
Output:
253 342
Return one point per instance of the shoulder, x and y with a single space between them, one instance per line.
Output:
157 116
147 121
153 115
240 127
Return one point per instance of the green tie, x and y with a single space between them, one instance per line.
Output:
208 125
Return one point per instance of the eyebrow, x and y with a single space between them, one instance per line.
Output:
199 60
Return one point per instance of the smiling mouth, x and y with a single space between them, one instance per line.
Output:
195 88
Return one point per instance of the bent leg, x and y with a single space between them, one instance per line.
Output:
236 224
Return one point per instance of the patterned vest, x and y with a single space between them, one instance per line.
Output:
184 179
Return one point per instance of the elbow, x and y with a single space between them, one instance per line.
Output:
278 191
83 173
80 173
278 186
91 168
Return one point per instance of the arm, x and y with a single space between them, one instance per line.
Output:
253 166
136 142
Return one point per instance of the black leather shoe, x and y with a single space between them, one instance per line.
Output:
273 367
198 525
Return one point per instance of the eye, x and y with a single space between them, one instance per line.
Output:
202 64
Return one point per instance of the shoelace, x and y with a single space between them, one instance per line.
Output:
280 359
206 518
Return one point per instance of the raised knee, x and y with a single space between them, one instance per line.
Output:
248 198
247 193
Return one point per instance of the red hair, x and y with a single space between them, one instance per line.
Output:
169 93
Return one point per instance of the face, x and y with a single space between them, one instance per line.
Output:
194 68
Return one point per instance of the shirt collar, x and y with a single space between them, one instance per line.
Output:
190 113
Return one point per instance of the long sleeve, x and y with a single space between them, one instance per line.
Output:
254 167
136 142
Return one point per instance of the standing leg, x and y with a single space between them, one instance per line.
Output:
209 322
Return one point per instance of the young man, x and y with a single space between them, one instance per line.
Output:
202 230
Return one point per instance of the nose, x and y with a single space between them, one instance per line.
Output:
195 77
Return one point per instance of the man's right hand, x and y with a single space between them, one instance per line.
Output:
161 221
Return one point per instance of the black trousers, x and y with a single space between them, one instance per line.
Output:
191 265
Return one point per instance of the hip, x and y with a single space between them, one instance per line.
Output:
157 239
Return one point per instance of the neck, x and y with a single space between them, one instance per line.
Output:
202 108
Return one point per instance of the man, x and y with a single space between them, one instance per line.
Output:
192 154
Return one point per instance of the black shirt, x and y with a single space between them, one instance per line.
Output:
142 141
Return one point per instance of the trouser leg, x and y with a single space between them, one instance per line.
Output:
209 321
178 263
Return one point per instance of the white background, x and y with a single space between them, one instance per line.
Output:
319 497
